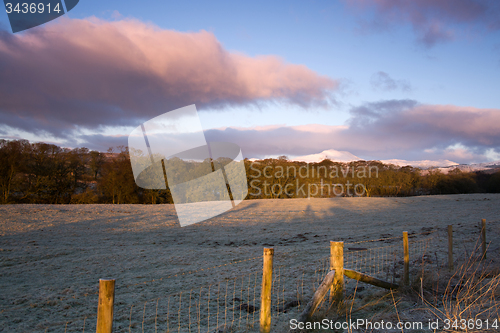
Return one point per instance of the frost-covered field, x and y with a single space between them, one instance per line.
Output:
52 257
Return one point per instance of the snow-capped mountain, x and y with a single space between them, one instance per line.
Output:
473 167
424 164
332 154
444 165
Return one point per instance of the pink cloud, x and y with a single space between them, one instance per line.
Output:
469 123
431 125
89 73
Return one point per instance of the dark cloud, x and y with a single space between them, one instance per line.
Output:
434 21
382 81
76 74
439 123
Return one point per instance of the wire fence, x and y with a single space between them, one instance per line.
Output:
232 304
384 262
223 306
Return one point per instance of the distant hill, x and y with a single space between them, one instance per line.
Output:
489 167
444 165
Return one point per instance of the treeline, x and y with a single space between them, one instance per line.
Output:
46 173
281 178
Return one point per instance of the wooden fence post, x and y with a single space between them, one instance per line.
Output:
105 306
406 273
337 264
450 247
317 297
265 296
483 237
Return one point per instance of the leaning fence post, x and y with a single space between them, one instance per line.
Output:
406 273
483 237
317 297
105 306
450 247
265 296
337 264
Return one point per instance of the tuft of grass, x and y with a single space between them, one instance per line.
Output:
471 292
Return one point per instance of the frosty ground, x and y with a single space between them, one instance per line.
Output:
52 256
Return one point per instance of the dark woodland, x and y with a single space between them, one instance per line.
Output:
48 174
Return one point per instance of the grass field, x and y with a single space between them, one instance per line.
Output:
52 257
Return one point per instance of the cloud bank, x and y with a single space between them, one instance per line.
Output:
91 73
403 129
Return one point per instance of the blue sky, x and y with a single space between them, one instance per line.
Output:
376 52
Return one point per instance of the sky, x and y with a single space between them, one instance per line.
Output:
379 79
